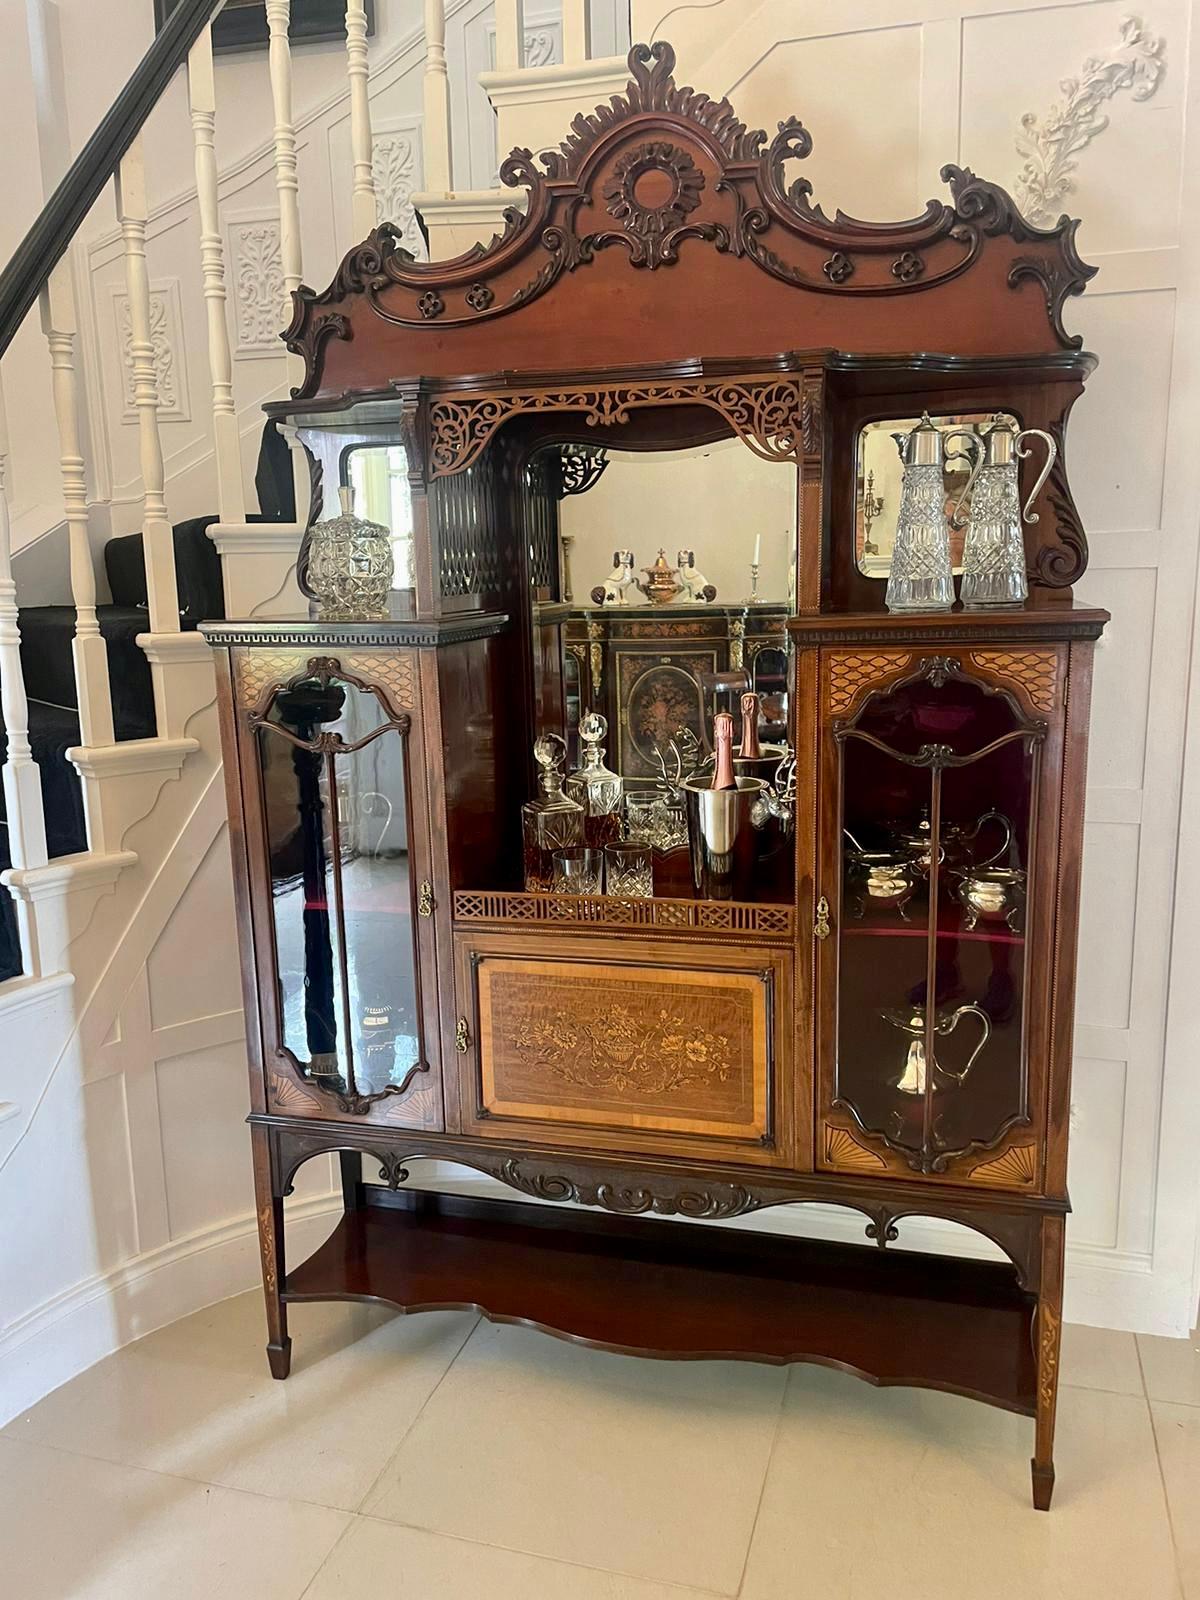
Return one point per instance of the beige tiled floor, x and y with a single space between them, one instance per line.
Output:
429 1458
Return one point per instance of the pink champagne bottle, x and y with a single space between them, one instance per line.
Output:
723 777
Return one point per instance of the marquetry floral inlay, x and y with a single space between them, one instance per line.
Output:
843 1150
1017 1166
630 1054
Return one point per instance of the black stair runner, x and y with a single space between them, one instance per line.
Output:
46 634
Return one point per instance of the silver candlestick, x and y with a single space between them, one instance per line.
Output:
754 582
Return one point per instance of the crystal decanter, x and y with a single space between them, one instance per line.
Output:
595 786
552 821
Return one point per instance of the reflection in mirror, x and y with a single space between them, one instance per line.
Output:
719 502
687 619
877 488
378 476
337 835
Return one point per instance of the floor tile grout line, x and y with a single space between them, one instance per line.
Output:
1162 1476
181 1477
537 1555
420 1412
762 1488
351 1522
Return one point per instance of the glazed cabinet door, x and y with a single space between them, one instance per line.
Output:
937 874
338 854
616 1043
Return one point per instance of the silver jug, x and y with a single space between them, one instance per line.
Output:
994 549
914 1076
721 836
921 577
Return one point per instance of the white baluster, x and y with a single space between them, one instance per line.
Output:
436 129
576 31
510 35
158 544
287 184
88 649
22 780
363 211
231 496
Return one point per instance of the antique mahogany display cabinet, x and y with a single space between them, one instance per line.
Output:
671 286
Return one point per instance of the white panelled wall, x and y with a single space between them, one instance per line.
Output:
890 90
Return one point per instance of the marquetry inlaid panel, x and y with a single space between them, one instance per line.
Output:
1035 671
645 1047
394 670
843 1151
850 671
1016 1168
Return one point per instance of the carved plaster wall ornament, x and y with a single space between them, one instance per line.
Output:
1050 147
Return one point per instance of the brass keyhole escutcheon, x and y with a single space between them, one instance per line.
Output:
822 927
462 1036
425 901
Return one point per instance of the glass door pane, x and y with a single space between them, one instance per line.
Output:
336 802
938 795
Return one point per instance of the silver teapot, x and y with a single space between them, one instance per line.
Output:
994 548
921 577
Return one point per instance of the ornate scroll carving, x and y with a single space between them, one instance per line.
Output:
1035 671
581 467
769 414
662 1197
1060 565
852 670
843 1150
669 166
653 229
1016 1166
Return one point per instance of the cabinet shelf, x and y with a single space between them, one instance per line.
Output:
917 931
673 1290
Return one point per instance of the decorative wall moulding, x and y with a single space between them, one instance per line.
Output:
542 43
170 357
256 275
1049 146
398 171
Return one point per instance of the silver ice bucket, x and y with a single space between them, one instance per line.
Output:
721 837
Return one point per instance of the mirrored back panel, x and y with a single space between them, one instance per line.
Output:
880 470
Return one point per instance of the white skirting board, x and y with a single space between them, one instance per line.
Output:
71 1332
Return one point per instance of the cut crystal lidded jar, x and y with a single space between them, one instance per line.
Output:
350 565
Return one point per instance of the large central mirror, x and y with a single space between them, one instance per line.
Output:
662 581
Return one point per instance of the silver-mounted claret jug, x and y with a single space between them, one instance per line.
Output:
921 577
994 548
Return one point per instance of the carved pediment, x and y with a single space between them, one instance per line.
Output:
665 177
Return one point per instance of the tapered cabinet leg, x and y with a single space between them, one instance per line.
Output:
269 1205
1048 1342
351 1162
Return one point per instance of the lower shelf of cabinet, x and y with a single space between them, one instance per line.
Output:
671 1289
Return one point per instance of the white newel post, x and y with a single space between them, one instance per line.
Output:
88 648
22 780
363 212
576 31
231 496
510 35
436 129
